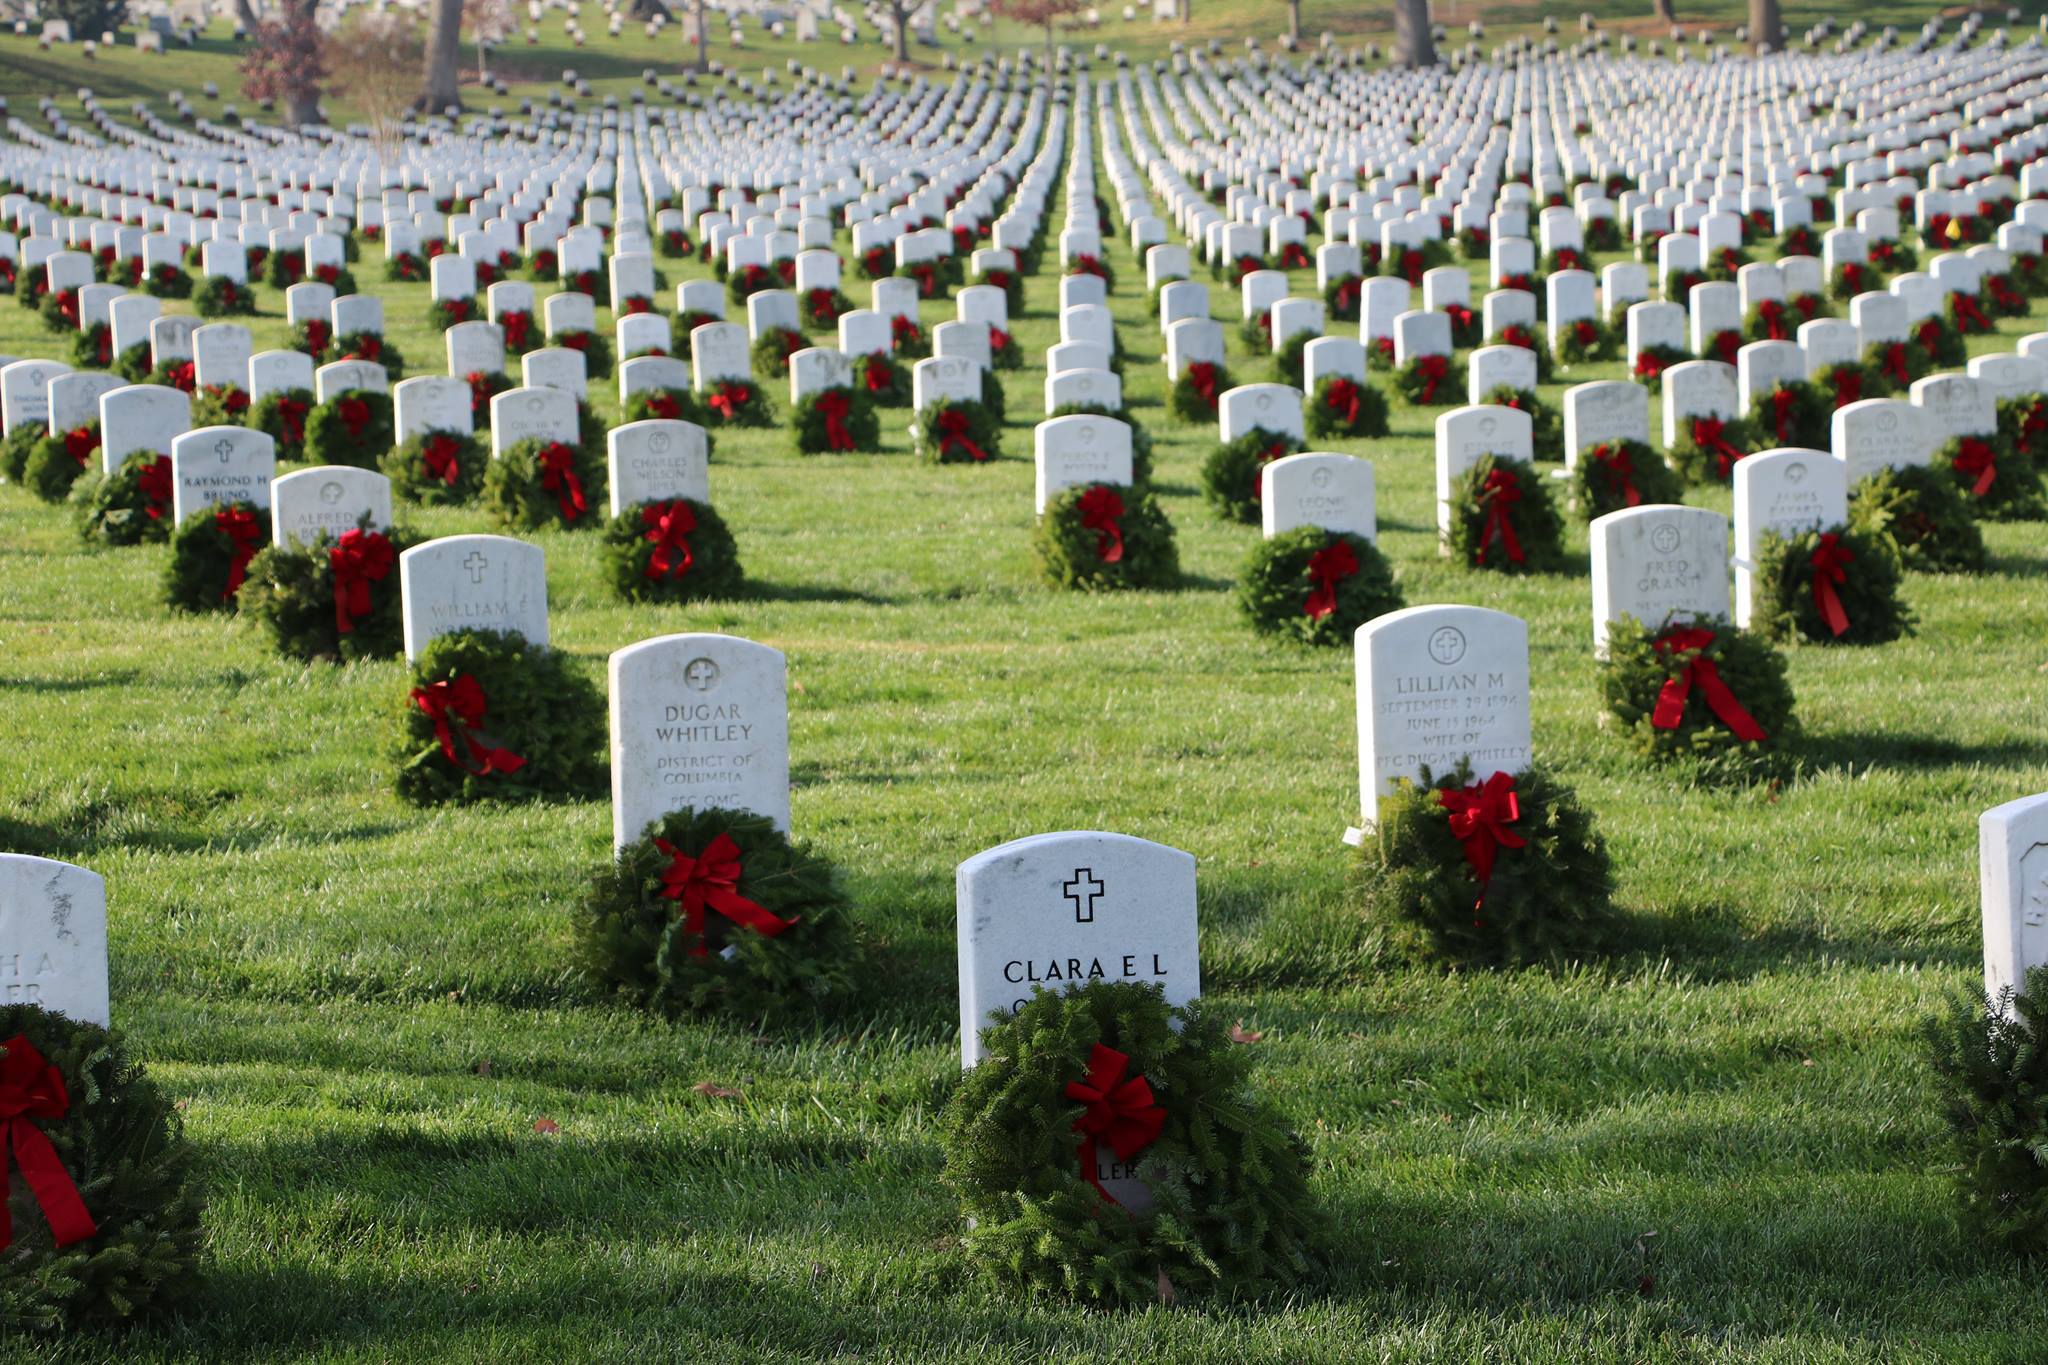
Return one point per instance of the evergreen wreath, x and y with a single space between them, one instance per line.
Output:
55 463
1475 244
1086 264
1609 476
1844 383
211 551
596 349
292 594
1854 582
1771 320
822 307
1431 380
1003 350
217 296
545 483
1503 519
955 431
679 332
1962 316
1316 586
1197 392
285 268
1851 278
1583 341
168 281
1792 414
2003 295
119 1143
484 385
1602 234
175 373
1349 409
405 267
1011 283
1798 241
1164 1088
59 311
1650 364
1287 358
2027 274
1894 258
130 506
18 445
92 348
351 428
716 911
1379 351
885 381
1099 537
1939 341
1546 428
526 722
281 414
770 352
1708 448
671 551
836 420
1997 482
1563 258
367 345
437 468
1992 1075
1411 263
1256 333
1705 693
520 333
1340 298
1922 513
1724 265
1677 285
447 313
35 282
1290 256
1529 339
2023 426
907 339
1231 473
736 403
220 405
1502 871
677 405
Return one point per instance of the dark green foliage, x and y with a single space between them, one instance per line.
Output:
129 506
1796 414
351 428
1635 671
219 297
55 464
1326 415
538 705
1584 340
16 448
88 18
1413 262
199 575
949 432
995 399
771 351
714 570
1186 402
1546 428
1598 485
218 405
1230 475
1991 1068
883 380
290 594
1287 359
737 403
59 311
1547 902
92 348
596 348
516 487
1922 513
632 939
282 416
1277 584
1340 298
1232 1214
1426 383
859 422
370 346
1785 608
678 405
1533 517
2022 426
123 1145
1070 554
1699 464
1530 339
1141 439
413 479
2014 491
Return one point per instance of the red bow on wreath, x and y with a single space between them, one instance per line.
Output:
31 1088
999 278
1119 1112
442 455
711 880
1782 400
1584 332
516 326
1411 266
355 415
998 340
1621 469
1895 363
927 278
182 376
903 332
1975 459
661 403
1480 816
1342 397
1276 451
317 336
1501 491
1648 366
1101 509
1707 435
459 703
1968 315
80 443
558 476
359 559
1848 381
1345 298
455 310
1670 709
154 483
1773 314
819 303
1202 376
1327 568
876 374
833 406
1726 345
1829 559
667 524
367 346
952 427
245 534
1928 334
1431 369
728 398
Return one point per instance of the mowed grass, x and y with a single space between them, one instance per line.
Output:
1718 1143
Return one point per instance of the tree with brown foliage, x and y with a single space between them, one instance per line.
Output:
287 61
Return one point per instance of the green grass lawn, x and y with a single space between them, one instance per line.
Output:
1719 1143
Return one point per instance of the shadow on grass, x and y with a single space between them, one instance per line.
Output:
762 590
1894 749
125 677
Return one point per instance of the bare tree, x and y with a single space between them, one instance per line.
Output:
377 60
1766 25
1413 43
444 57
1294 20
287 60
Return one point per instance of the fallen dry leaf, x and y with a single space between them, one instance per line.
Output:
713 1090
1240 1034
1166 1294
546 1126
483 1067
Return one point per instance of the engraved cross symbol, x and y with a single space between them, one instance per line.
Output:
701 674
224 448
1083 890
476 564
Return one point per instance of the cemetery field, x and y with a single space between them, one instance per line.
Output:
426 1136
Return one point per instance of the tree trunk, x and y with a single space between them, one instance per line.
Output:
1294 20
1187 12
1413 45
483 66
1665 11
245 15
1766 26
900 37
444 55
302 105
703 38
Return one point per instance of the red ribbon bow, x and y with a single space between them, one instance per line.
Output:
182 376
1829 557
1977 460
1100 508
876 374
459 702
1848 382
154 483
711 880
1501 491
998 340
1346 296
667 523
1648 366
317 336
32 1088
1782 400
1202 375
833 407
558 476
81 442
1852 277
517 326
1773 314
1706 434
1432 369
457 310
442 455
1584 332
242 529
1968 314
1119 1112
1620 467
819 303
1328 567
359 559
1342 397
367 346
953 432
1726 345
1895 363
1480 816
662 403
355 415
1411 266
1929 335
728 398
1670 709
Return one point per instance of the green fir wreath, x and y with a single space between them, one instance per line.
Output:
1583 341
1921 512
291 595
1852 278
1103 537
17 446
1992 1076
133 364
373 346
771 351
1677 285
1602 234
636 940
595 346
1347 409
1341 298
1546 428
1939 340
1431 381
1997 482
1724 265
211 551
2023 426
55 463
1650 364
736 403
859 425
677 405
533 706
1287 357
1196 393
121 1143
539 483
130 506
281 414
1316 586
1411 263
177 373
351 428
822 308
168 281
437 468
679 330
92 348
1231 473
1964 315
1896 364
1844 383
1232 1215
447 313
1547 901
220 297
1801 417
220 405
1527 534
993 396
1708 448
1771 320
1610 476
484 385
35 282
1670 705
633 540
1141 439
1475 244
1786 607
405 267
883 379
955 431
1563 258
59 311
